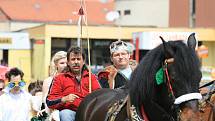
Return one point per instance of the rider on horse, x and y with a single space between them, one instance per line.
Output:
118 74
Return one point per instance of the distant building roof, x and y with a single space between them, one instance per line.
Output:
54 11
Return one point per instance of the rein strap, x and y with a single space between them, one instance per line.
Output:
167 75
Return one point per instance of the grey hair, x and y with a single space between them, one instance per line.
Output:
57 56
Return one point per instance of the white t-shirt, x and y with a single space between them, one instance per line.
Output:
126 72
15 107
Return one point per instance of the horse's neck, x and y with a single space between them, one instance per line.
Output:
156 112
161 105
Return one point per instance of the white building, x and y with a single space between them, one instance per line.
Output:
153 13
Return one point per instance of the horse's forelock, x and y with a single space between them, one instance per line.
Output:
187 65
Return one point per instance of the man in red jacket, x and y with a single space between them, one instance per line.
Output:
69 88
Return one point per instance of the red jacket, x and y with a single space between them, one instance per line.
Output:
65 84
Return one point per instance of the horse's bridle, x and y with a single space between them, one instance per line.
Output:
208 97
167 76
182 98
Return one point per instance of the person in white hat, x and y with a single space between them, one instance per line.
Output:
118 74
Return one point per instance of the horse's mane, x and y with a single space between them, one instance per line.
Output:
142 88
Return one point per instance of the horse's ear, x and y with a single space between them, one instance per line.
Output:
191 42
162 39
164 45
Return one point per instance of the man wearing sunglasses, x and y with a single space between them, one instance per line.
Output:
118 74
15 103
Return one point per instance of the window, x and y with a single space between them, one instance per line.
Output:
127 12
119 12
194 7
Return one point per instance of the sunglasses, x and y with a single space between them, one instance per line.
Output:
14 84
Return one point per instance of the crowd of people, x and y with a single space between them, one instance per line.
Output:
59 95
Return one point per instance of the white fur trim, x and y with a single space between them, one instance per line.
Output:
187 97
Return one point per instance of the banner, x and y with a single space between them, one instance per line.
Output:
150 40
14 40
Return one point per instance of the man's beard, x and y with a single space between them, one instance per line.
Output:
76 72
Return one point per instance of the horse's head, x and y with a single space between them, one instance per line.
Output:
167 79
182 76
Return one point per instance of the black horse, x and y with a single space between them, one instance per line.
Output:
164 87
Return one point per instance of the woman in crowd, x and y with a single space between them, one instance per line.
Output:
58 63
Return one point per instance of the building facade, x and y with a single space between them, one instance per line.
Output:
192 13
48 39
154 13
15 51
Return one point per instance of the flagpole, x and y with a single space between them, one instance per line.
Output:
83 15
